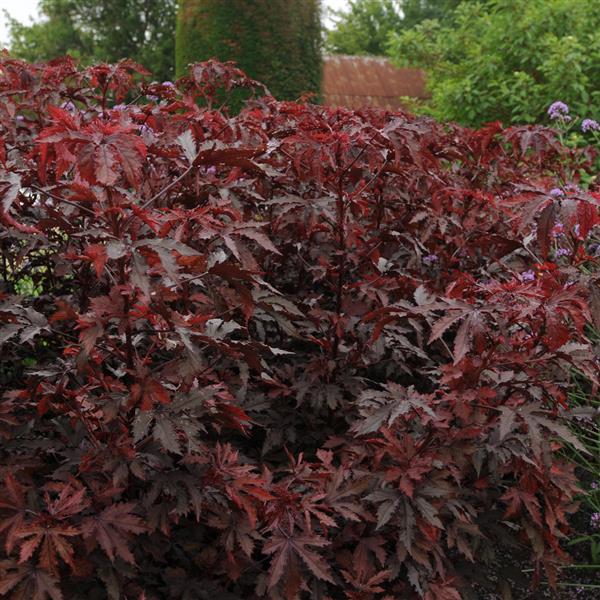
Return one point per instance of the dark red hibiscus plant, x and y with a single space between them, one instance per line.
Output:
298 352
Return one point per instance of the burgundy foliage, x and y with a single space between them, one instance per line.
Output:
300 352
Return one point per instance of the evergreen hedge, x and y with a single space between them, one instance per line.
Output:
275 41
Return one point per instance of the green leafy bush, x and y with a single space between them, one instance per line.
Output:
508 59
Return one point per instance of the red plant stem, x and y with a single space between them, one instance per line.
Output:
341 232
117 231
58 198
126 308
169 187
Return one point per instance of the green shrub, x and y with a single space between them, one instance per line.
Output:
508 59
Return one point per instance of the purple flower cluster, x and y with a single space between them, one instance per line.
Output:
590 125
528 275
558 230
595 520
556 192
563 252
430 259
558 110
68 106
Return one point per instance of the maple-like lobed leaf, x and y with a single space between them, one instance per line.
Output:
27 581
112 528
286 548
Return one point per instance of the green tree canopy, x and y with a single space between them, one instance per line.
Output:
416 11
365 27
508 59
101 30
277 42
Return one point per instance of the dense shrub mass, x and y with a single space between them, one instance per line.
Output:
301 352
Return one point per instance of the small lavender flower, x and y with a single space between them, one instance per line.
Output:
594 485
168 84
576 228
562 252
68 105
528 275
20 118
590 125
152 97
430 259
595 520
558 110
558 230
556 192
120 107
145 128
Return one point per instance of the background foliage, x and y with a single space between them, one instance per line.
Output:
508 59
101 30
275 41
299 350
365 26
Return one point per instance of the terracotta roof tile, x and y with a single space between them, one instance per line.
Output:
356 81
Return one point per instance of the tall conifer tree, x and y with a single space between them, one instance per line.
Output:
277 42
